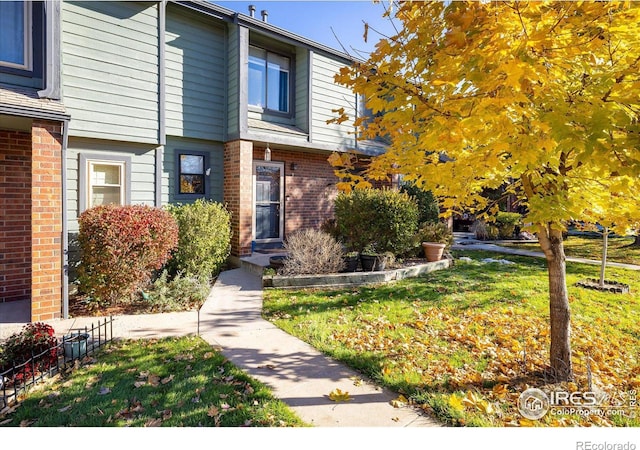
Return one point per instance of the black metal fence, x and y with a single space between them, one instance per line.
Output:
76 345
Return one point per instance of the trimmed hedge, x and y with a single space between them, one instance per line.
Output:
204 241
121 247
384 219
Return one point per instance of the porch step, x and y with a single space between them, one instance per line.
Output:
257 262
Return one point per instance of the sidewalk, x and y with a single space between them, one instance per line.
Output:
470 244
298 374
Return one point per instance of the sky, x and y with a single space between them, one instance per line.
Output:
315 20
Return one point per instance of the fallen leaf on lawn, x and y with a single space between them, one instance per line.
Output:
213 411
4 422
154 380
104 390
153 423
500 390
338 396
225 406
485 407
26 423
139 383
167 379
527 423
166 414
456 403
208 355
223 396
399 402
66 408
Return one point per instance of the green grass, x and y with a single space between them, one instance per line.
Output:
590 247
169 382
465 342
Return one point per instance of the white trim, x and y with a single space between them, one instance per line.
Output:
28 44
279 165
122 174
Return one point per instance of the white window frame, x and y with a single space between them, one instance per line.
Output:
85 175
27 40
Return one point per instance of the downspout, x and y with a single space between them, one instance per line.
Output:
162 101
51 69
65 226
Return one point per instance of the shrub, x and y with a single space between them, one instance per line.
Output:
428 208
35 340
177 293
204 239
507 222
121 247
431 232
484 231
384 218
312 252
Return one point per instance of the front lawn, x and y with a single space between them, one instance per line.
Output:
151 383
590 247
465 342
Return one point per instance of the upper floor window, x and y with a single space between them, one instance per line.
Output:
269 80
15 34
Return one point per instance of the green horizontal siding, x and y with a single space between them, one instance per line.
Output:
326 96
110 69
215 150
142 183
195 76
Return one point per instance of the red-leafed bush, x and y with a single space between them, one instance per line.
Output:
121 247
36 341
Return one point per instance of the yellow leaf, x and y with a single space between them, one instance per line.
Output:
399 402
456 403
338 396
485 407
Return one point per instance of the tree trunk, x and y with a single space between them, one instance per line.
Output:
560 316
636 242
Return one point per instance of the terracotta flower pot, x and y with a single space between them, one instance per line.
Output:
433 251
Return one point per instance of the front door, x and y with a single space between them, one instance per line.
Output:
268 190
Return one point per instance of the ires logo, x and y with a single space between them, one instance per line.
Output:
534 403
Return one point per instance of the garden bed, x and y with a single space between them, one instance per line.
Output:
353 278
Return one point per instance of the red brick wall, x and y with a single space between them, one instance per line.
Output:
46 221
15 215
237 193
310 189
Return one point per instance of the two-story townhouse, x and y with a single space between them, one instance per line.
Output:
175 101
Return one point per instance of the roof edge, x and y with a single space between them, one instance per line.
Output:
231 16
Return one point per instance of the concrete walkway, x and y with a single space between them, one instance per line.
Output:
230 320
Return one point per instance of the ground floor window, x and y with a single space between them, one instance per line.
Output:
106 181
191 174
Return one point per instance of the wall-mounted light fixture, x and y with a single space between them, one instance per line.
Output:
267 153
294 166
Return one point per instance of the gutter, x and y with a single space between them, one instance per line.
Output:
34 113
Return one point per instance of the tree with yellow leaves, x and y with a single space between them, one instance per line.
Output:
541 96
